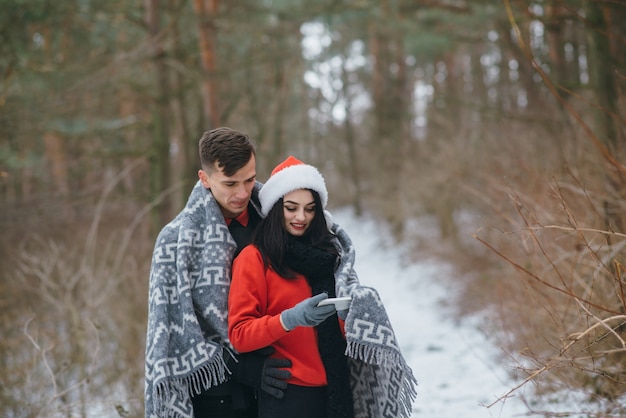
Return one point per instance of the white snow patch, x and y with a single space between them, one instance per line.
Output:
452 361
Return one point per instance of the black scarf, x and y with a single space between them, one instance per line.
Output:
318 267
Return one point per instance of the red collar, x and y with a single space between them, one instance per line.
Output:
242 219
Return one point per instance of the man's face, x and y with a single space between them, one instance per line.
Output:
231 193
299 211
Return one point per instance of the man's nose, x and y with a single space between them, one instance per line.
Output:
241 192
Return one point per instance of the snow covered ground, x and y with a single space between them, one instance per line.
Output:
454 364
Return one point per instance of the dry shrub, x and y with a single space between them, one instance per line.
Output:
547 213
560 290
73 311
75 342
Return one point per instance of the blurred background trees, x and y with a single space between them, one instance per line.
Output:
491 134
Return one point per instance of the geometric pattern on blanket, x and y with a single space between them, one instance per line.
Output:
383 384
188 294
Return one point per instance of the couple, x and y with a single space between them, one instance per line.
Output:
234 329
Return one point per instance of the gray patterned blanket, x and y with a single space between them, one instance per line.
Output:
187 320
383 384
187 307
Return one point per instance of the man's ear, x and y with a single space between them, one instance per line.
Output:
204 179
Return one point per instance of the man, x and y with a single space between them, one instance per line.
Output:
191 368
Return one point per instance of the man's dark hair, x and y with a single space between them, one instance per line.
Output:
271 237
231 150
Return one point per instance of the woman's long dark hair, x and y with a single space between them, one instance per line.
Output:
272 239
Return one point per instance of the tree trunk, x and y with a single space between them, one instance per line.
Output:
57 163
390 113
207 12
282 95
160 152
604 86
554 39
353 161
601 76
187 160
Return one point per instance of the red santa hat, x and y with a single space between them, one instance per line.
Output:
292 174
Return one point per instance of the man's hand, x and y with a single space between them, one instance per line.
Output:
258 370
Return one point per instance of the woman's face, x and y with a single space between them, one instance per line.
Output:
298 211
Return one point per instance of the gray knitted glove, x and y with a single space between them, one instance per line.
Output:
307 313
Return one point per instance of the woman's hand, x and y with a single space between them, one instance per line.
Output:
307 313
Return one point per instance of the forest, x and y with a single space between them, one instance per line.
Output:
498 125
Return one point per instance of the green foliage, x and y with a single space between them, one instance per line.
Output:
9 160
433 32
427 46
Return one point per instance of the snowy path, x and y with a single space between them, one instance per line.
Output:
453 363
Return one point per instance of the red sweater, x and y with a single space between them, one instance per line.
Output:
257 298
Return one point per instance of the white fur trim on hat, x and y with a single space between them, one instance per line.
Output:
292 177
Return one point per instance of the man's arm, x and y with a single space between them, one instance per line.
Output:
261 372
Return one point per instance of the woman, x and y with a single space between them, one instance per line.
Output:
277 283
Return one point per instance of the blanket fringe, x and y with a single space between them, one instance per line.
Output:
408 394
211 374
370 354
385 358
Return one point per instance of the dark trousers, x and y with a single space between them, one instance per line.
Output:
298 402
228 400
